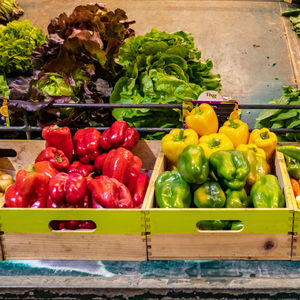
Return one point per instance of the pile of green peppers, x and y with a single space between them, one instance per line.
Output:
217 182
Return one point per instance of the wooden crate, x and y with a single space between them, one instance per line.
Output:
289 190
172 233
119 235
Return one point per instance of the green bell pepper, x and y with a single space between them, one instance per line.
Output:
213 225
293 167
209 195
172 191
231 167
237 199
237 225
266 193
193 165
291 151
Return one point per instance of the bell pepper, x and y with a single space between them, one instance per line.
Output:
99 161
69 188
120 134
236 130
253 147
172 191
213 225
133 172
193 165
140 189
266 193
59 138
29 190
231 167
209 195
122 165
78 167
173 143
258 164
237 226
296 187
291 151
237 199
86 144
45 167
264 139
56 157
110 193
293 167
215 142
203 120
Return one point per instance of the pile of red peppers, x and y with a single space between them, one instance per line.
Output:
90 170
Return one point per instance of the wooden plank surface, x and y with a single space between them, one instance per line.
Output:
224 245
72 246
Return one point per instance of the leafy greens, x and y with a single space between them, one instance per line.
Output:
283 118
17 41
163 68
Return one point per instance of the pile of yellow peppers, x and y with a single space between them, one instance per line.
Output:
203 129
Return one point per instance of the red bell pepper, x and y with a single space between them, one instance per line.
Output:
56 157
139 192
46 168
68 190
60 138
120 134
134 170
99 161
78 167
29 190
86 144
110 193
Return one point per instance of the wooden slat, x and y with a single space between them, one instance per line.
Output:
225 245
72 246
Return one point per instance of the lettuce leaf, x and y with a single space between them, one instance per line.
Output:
160 67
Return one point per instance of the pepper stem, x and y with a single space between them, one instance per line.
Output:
214 143
232 124
198 111
265 135
180 136
58 158
54 127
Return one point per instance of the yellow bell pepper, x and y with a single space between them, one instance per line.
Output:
252 147
236 130
214 142
203 120
173 143
264 139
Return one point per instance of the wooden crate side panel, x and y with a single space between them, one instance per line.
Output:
219 246
71 246
108 221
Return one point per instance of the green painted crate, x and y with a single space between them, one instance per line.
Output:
119 234
172 233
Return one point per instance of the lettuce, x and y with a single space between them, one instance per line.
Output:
160 68
17 41
9 11
4 90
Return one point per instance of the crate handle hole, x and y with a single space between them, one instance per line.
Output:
72 225
220 225
8 153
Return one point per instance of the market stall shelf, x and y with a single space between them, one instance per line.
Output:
173 234
119 233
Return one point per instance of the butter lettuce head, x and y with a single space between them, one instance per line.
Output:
163 68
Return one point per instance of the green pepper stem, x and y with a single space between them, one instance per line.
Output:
214 143
180 136
54 127
265 135
198 111
232 124
58 158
